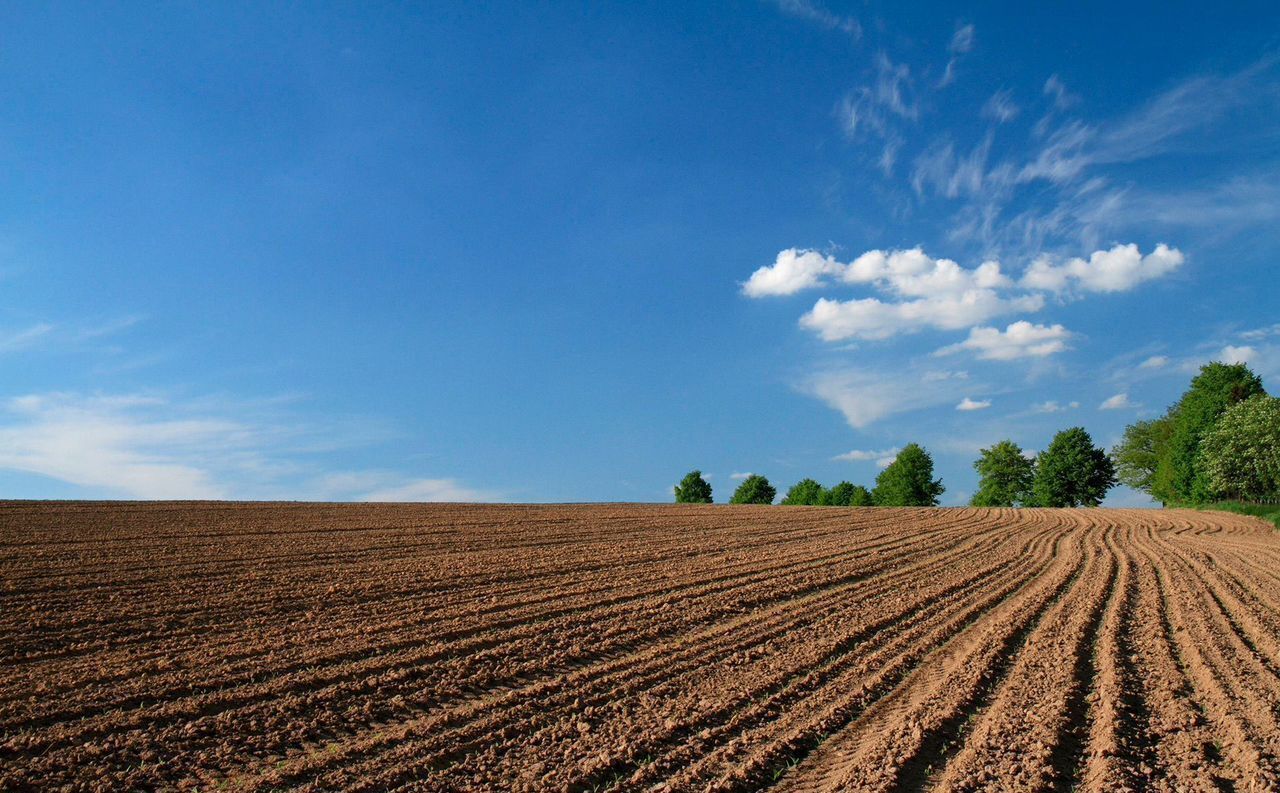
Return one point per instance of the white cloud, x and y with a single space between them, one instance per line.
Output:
150 447
103 442
1055 88
913 273
1052 406
873 108
883 458
865 396
812 12
739 475
1019 340
1234 354
1000 107
869 318
792 270
967 404
962 40
1116 402
1117 270
1261 333
1155 362
21 339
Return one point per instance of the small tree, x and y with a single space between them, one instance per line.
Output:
805 492
1138 454
1072 472
1005 476
693 489
1240 455
908 481
755 489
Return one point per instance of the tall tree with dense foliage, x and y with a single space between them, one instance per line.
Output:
693 489
805 492
908 481
1072 472
1138 454
755 489
1216 388
1005 476
1240 454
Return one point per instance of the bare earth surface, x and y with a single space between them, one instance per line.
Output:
430 647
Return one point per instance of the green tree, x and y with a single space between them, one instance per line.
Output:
908 481
1216 388
693 489
1138 454
1072 472
804 492
755 489
861 497
847 494
1005 476
1240 454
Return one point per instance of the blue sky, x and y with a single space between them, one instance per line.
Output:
567 252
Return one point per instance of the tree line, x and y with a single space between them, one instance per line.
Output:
1220 440
906 482
1071 472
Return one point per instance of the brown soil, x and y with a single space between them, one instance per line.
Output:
620 647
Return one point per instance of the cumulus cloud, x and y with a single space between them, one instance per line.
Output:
938 293
1116 270
1233 354
739 474
869 318
967 404
1155 362
1116 402
792 270
1019 340
882 458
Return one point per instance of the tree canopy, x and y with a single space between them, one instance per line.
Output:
755 489
1138 454
1216 388
1072 472
693 489
1005 476
1240 454
804 492
847 494
908 481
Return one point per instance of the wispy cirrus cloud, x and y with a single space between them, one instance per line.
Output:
152 446
821 16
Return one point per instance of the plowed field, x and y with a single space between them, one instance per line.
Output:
620 647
